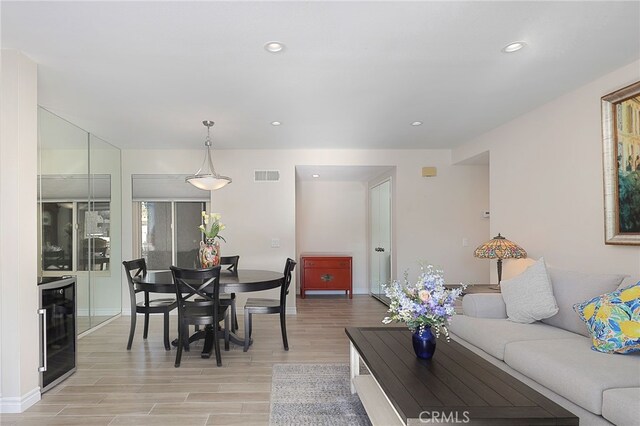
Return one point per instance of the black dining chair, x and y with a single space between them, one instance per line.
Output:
138 268
198 296
230 299
270 306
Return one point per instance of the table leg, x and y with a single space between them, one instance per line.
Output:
207 335
354 362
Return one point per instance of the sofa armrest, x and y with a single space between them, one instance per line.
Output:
484 305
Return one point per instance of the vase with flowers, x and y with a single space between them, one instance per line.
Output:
209 253
425 306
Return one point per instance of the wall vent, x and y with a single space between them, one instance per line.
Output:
266 175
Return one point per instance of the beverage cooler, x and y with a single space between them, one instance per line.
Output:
58 338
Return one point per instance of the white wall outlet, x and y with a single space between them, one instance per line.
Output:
486 214
275 243
465 242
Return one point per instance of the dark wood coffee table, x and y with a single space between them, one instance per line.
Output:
455 386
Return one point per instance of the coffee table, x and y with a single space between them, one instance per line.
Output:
455 386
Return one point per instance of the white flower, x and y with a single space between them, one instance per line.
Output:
424 295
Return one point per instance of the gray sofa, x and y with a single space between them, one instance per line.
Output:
556 358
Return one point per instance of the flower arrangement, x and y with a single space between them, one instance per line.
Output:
212 226
425 303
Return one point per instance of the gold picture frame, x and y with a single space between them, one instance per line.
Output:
621 161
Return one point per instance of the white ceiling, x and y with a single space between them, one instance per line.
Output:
353 74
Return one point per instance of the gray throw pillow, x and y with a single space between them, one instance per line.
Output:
529 296
569 288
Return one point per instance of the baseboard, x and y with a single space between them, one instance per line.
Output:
98 312
334 292
20 404
102 324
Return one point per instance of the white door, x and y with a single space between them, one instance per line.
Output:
380 241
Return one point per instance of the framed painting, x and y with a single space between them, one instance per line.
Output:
621 160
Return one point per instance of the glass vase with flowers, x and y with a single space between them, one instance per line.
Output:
426 306
209 253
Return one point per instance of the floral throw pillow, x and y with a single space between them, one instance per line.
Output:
613 319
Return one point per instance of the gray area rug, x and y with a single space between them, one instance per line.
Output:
315 395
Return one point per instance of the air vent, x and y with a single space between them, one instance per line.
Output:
266 176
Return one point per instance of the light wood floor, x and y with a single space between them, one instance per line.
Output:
113 386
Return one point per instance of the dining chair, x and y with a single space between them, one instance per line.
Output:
230 299
136 268
198 296
270 306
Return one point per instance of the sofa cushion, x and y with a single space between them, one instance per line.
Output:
484 305
621 406
571 287
571 369
529 296
491 335
613 319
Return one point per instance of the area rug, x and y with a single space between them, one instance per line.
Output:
314 395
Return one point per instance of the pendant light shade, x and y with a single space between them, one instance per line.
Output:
204 178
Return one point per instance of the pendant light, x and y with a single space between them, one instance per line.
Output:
208 180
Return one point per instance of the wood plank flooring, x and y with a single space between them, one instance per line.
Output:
113 386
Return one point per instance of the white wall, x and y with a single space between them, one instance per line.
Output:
331 217
432 214
547 182
19 354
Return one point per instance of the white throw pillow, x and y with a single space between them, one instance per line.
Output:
529 296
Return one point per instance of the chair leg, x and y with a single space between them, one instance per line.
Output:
132 329
247 330
216 345
167 345
185 333
180 343
234 316
146 326
226 331
283 327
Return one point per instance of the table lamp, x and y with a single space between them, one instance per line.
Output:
499 248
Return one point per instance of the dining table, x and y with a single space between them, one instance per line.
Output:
240 281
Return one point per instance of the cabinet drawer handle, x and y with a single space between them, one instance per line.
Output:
326 278
43 313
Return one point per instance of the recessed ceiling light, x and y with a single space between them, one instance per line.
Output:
274 47
514 47
315 175
417 123
275 123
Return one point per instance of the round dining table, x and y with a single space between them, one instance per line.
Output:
240 281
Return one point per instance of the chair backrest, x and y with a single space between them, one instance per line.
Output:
230 260
289 266
134 268
197 288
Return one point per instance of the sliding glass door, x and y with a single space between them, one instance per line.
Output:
169 233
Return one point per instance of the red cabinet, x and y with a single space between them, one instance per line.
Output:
325 272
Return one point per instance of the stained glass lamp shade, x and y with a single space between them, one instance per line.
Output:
500 248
